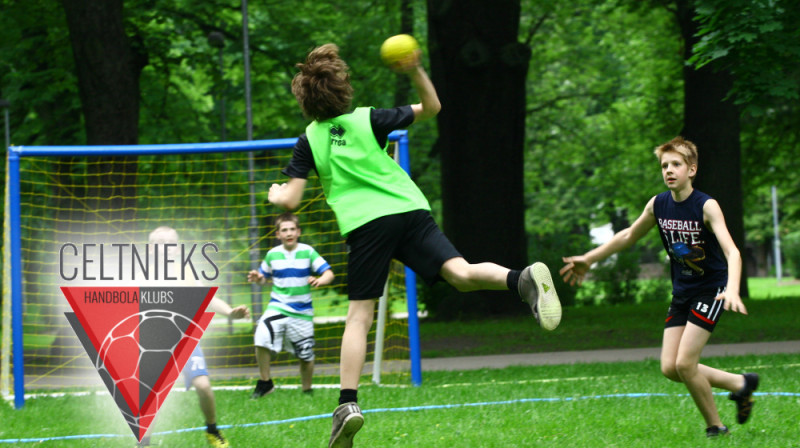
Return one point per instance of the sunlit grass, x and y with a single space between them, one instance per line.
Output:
600 327
770 288
583 405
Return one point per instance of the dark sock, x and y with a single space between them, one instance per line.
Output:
512 280
211 428
265 385
348 396
746 388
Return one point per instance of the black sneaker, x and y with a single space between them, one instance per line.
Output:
716 431
744 397
262 388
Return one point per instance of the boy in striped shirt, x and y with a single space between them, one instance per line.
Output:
294 268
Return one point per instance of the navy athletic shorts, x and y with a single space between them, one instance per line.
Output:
701 310
412 237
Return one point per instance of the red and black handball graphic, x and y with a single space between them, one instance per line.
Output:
139 339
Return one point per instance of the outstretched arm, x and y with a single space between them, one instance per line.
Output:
287 195
712 215
256 277
429 104
577 266
218 305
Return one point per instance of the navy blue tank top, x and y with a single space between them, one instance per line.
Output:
696 260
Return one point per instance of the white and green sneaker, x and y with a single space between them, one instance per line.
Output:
536 287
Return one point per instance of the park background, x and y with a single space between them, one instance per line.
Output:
550 114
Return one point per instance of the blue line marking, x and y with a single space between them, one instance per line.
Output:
382 410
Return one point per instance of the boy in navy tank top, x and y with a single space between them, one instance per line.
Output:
706 270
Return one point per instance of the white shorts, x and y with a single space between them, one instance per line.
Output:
274 327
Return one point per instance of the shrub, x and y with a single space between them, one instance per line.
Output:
619 277
791 251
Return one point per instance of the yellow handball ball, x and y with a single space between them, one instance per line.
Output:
397 48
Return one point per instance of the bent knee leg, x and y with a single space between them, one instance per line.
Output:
456 272
669 371
685 369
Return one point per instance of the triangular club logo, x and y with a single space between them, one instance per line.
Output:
139 339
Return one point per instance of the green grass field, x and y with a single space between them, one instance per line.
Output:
480 337
582 405
599 327
769 288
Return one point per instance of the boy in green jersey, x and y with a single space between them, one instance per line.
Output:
380 210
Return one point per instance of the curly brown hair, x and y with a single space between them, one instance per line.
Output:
322 87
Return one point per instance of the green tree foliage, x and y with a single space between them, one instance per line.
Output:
759 42
37 74
603 94
605 89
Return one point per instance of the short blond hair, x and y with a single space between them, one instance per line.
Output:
684 147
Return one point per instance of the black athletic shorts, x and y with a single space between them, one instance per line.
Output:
412 237
701 310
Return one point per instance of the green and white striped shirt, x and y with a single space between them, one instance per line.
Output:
289 270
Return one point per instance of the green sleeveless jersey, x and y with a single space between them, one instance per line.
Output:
361 182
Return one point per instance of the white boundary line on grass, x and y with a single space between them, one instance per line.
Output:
177 388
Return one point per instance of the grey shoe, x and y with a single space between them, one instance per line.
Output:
347 420
536 287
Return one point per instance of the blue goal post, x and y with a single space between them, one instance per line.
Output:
13 248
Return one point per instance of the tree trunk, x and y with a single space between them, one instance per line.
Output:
479 68
108 69
713 124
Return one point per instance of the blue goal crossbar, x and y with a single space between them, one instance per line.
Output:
15 153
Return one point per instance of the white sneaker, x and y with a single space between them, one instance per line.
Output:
536 287
347 421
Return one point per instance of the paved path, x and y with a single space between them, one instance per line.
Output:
530 359
589 356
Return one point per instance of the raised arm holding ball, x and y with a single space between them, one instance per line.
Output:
379 209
